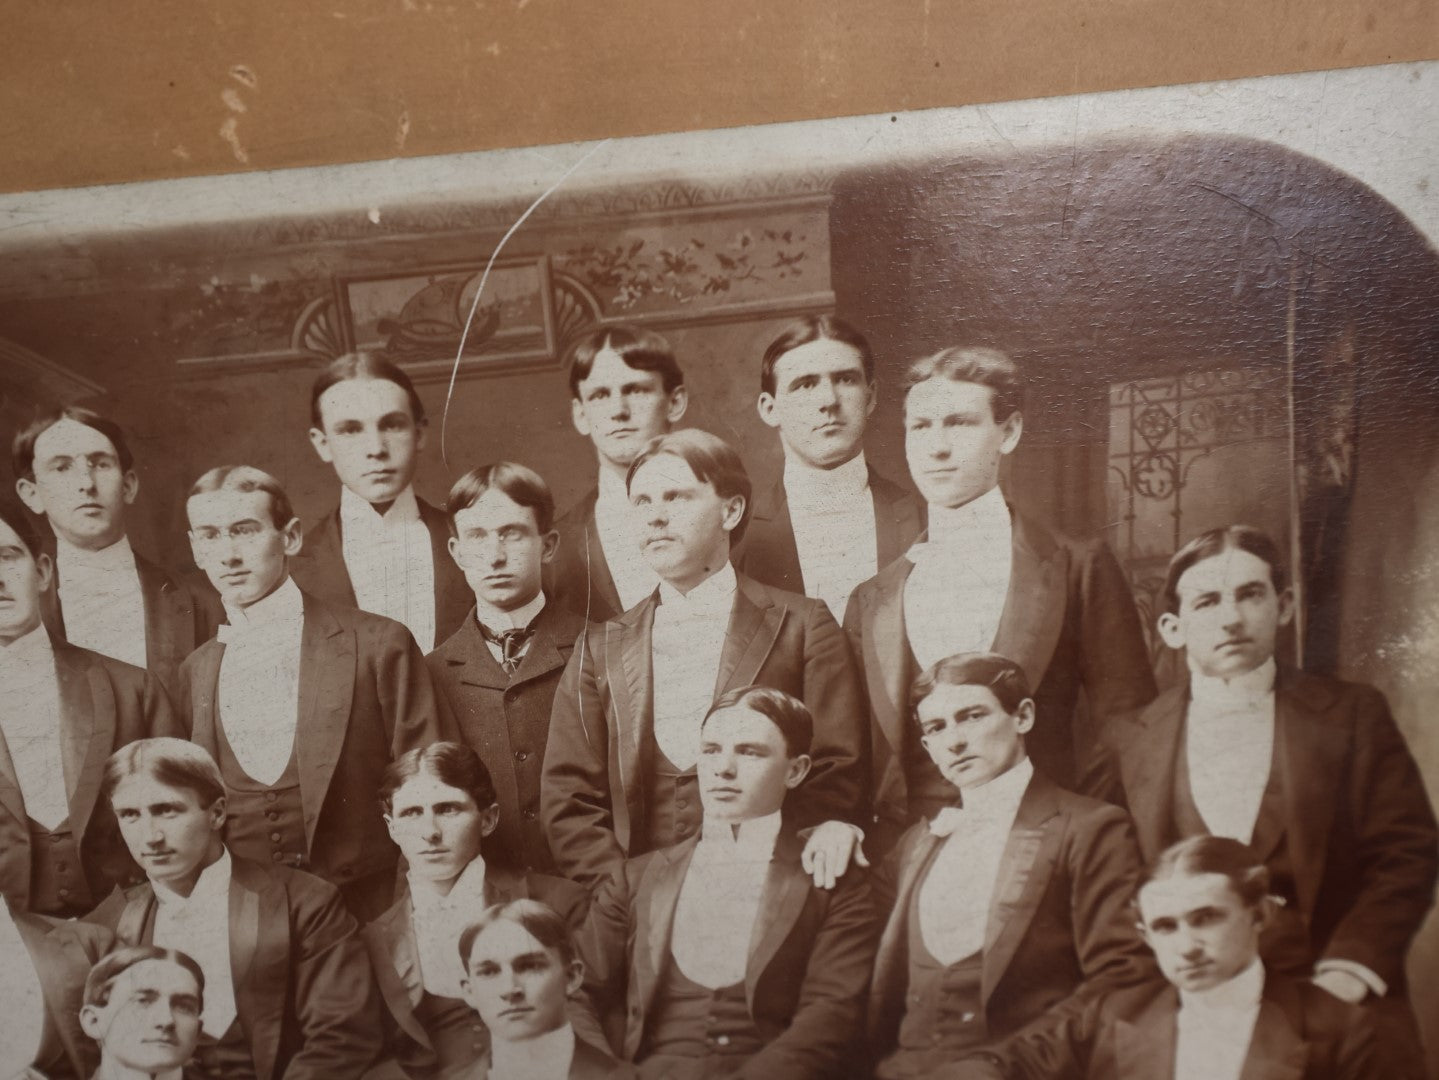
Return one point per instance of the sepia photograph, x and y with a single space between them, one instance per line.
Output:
940 594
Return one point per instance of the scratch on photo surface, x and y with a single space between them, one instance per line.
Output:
402 129
480 292
229 131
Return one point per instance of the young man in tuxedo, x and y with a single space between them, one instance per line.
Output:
719 956
442 810
66 709
383 549
829 521
499 671
45 962
1005 909
1310 771
74 468
521 979
142 1009
1221 1015
619 774
289 991
625 389
301 703
987 579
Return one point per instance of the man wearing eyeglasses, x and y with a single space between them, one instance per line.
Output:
499 671
301 703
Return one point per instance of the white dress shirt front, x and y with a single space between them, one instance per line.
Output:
956 894
391 562
198 925
688 640
32 733
545 1057
719 900
259 685
620 542
22 1032
955 595
438 922
1229 740
101 600
497 622
1215 1027
832 515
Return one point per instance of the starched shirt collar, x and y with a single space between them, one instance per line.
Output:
356 513
547 1055
996 802
988 515
611 489
212 887
466 894
1237 692
754 838
711 597
497 621
286 605
1243 991
118 556
825 489
30 652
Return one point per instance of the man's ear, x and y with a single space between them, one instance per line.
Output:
765 407
130 487
1171 630
1013 429
549 544
29 494
679 402
1286 607
489 819
294 535
321 445
452 545
578 417
219 811
799 766
45 569
92 1023
574 977
1024 717
733 513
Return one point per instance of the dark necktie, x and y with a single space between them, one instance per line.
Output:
511 642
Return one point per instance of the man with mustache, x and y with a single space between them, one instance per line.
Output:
830 521
987 578
625 389
619 774
289 991
75 468
383 549
66 709
719 956
1310 771
1009 907
301 703
142 1009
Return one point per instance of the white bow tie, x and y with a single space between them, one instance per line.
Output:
949 820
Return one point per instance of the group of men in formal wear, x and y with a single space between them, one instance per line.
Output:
815 778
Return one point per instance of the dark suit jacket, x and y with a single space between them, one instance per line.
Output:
1060 924
809 958
1357 824
180 615
507 720
365 698
1069 620
105 704
63 953
593 798
320 568
395 955
768 552
1301 1033
578 576
304 990
589 1063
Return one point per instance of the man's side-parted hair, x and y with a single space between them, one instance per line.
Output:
1247 874
544 924
809 328
787 713
12 514
641 349
247 478
1002 675
22 447
710 458
115 963
521 483
1215 542
450 763
363 365
173 762
974 364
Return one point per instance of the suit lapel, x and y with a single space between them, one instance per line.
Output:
754 624
260 948
395 956
913 867
896 519
786 888
1034 607
886 652
87 731
603 593
548 651
1144 1047
772 545
1277 1051
1148 769
1311 756
1025 869
204 695
657 897
165 614
324 552
478 666
327 687
57 963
